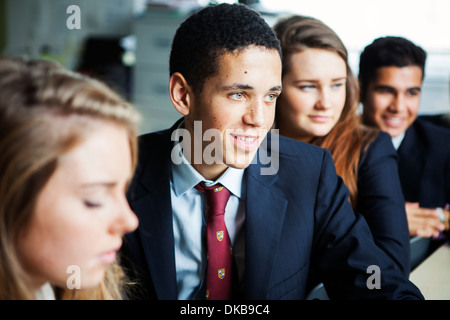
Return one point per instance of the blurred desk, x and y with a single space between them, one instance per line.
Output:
432 276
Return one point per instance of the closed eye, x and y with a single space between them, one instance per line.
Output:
92 204
96 195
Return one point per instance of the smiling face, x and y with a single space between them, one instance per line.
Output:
81 213
313 94
239 104
393 99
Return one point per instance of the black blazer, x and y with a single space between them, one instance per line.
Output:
296 218
424 164
381 202
442 119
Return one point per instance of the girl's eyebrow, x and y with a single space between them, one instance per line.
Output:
106 184
339 79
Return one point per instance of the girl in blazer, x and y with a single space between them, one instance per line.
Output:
318 105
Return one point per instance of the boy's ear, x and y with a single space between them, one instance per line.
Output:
180 93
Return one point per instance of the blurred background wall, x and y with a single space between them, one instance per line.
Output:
126 43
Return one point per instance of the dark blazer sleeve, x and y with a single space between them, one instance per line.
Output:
381 201
424 164
345 251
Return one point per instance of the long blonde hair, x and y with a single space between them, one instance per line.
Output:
39 101
348 137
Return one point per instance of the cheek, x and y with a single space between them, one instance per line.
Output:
213 119
269 116
378 104
65 223
338 103
222 120
218 122
297 104
46 252
59 237
341 99
413 106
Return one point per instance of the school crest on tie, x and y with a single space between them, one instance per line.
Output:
217 189
221 273
219 235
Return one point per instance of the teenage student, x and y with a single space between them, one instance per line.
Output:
319 105
287 209
68 151
391 74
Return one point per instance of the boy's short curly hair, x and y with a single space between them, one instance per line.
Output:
207 34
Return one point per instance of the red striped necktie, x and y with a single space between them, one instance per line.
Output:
219 269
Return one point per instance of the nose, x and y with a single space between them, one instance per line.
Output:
125 220
398 103
324 99
255 114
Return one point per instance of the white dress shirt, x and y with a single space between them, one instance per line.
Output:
189 225
397 141
45 293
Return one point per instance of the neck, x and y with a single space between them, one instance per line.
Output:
210 171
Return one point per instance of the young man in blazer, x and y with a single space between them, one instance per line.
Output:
288 210
391 73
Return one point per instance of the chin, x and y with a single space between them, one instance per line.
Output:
393 133
92 279
238 165
241 161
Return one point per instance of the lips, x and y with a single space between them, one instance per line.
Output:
393 122
320 118
246 142
109 257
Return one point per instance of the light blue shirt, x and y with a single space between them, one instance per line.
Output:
189 225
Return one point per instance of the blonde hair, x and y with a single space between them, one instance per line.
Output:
44 112
348 137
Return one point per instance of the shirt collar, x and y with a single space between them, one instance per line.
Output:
45 293
396 141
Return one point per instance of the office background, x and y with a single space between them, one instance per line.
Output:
126 43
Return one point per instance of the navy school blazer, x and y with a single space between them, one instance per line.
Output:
296 218
424 164
381 201
424 168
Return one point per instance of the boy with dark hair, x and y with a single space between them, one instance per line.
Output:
196 49
228 210
389 52
392 70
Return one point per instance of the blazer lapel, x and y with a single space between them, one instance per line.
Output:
265 210
156 231
411 164
264 220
